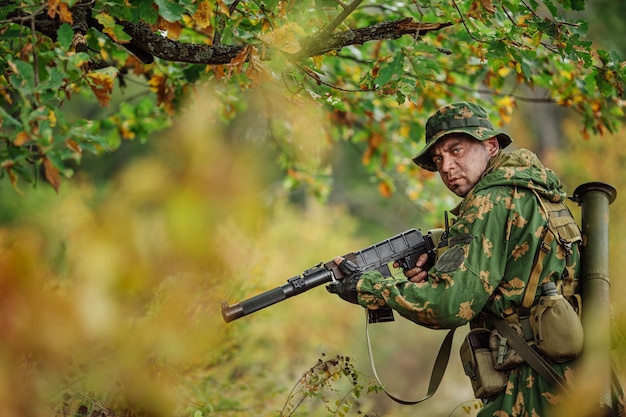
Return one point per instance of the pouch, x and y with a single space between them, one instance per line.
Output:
478 365
504 356
557 328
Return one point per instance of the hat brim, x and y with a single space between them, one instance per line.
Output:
423 158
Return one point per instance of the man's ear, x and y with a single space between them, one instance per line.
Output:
492 145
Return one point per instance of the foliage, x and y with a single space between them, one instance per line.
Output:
320 382
375 69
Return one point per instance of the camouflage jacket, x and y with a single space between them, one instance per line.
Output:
486 268
492 247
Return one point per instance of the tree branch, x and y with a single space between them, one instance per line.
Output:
340 18
386 30
169 50
146 43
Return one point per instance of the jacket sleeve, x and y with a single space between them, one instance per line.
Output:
463 278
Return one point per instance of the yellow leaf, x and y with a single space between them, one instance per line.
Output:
172 29
505 108
596 106
65 14
53 5
284 38
126 131
102 86
203 14
103 51
21 138
165 94
60 8
256 70
4 93
317 61
504 71
53 118
385 189
373 143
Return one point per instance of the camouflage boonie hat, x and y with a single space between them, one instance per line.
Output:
463 117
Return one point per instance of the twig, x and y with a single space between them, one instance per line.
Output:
348 9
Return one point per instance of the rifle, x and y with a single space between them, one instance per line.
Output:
403 248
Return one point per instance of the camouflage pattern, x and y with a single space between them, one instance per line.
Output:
463 117
492 246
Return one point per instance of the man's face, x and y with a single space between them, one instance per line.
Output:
461 160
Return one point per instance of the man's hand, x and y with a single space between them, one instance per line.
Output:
417 274
346 288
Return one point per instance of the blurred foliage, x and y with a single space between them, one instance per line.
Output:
375 70
111 295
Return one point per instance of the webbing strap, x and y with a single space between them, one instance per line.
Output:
439 367
533 281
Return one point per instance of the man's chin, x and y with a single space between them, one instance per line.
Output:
459 190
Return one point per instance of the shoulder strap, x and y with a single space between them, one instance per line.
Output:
535 275
560 224
439 367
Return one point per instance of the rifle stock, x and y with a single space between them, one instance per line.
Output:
403 248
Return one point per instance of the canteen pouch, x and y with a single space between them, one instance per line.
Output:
557 329
478 364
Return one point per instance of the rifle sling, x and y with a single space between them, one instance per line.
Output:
530 355
439 367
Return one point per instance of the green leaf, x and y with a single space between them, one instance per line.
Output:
120 35
391 71
171 11
64 36
111 28
605 87
573 4
24 79
105 20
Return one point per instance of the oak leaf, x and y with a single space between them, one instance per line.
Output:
256 70
102 86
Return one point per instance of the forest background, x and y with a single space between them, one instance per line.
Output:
114 264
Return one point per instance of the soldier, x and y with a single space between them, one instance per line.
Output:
492 246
